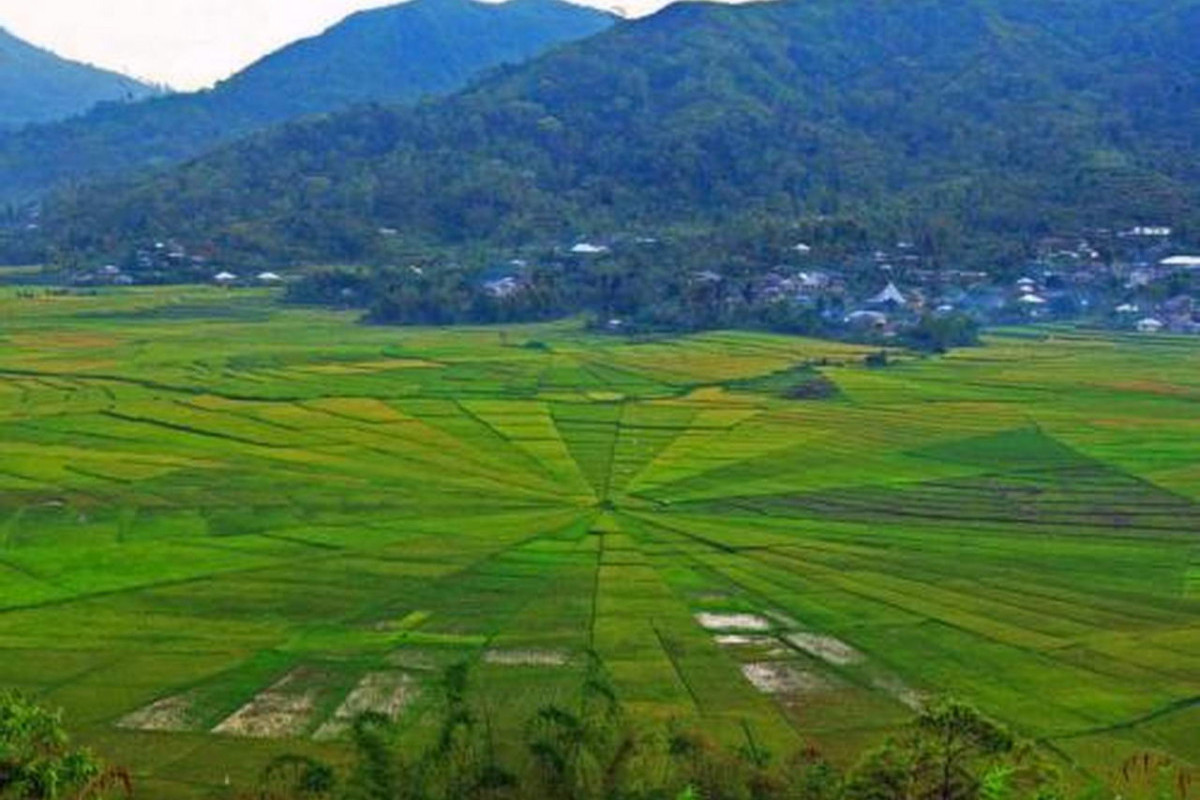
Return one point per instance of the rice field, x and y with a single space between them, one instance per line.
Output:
226 527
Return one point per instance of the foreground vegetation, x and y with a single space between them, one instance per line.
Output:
590 749
228 526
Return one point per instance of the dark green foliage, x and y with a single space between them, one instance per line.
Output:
637 287
968 125
391 55
876 360
297 777
38 86
799 383
816 388
592 751
951 753
37 761
938 333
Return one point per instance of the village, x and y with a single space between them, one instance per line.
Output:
1138 279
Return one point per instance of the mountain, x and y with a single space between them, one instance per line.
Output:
38 86
399 54
953 119
396 54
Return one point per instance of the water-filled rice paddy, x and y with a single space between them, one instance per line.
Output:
226 527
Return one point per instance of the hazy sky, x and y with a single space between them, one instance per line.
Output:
185 43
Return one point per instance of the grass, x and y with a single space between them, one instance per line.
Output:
202 493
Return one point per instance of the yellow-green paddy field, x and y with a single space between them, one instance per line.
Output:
227 526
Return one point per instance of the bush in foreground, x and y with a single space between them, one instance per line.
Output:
37 761
590 750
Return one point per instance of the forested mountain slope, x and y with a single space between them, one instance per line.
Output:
37 85
959 119
396 54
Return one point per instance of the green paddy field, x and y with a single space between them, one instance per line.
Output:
226 525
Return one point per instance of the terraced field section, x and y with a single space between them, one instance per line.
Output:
227 527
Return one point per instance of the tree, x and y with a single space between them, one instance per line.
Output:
37 761
951 752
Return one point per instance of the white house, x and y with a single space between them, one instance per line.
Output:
1149 325
1032 300
890 294
504 287
269 277
867 319
1181 262
1149 231
225 277
589 249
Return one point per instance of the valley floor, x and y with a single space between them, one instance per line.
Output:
226 527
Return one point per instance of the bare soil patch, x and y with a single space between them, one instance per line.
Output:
167 714
387 693
279 712
904 694
827 648
527 658
732 622
781 677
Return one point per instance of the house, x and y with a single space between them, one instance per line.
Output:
867 319
503 287
1139 278
589 249
268 277
1031 300
1148 231
1126 308
803 249
1181 262
225 277
1149 325
890 295
813 279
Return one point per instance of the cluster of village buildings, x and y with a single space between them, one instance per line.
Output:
1138 279
1148 294
171 262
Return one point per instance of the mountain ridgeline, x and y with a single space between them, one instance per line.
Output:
953 120
38 86
396 54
